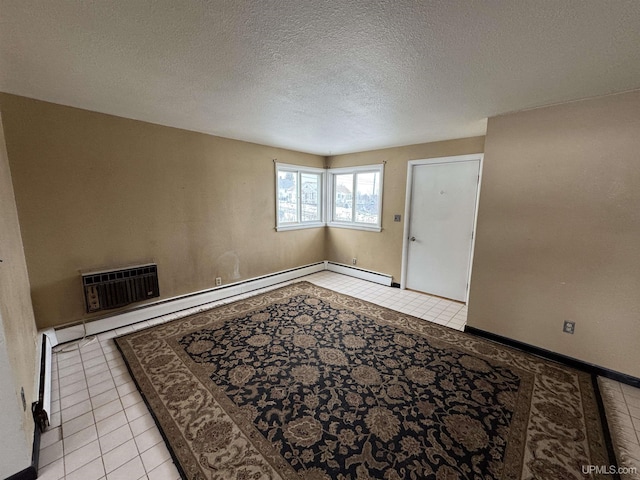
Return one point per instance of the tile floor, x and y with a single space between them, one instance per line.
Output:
101 428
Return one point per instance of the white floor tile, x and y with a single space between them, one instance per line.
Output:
630 391
119 456
126 388
130 399
102 387
104 398
76 410
107 410
116 362
142 424
73 399
51 436
51 453
73 388
148 439
119 370
111 423
91 350
115 438
93 470
70 370
136 411
631 400
155 456
82 456
133 469
67 359
80 439
96 369
52 471
120 379
166 471
76 424
93 361
76 376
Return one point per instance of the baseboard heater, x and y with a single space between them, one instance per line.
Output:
108 289
42 408
369 275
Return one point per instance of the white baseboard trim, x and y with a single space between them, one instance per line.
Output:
194 300
381 278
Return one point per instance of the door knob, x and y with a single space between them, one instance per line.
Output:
413 239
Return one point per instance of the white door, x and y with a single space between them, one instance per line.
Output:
441 220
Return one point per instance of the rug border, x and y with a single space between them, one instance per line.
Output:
174 458
608 438
593 370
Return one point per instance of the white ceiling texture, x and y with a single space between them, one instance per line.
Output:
319 76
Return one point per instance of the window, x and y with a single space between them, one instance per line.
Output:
299 197
356 197
353 197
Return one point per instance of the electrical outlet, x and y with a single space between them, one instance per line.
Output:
354 261
569 327
397 218
218 281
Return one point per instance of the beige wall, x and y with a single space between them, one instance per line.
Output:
95 190
558 226
382 252
17 334
559 230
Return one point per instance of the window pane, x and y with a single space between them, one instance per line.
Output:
367 197
310 193
287 197
343 200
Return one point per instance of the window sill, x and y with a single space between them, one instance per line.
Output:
299 226
356 226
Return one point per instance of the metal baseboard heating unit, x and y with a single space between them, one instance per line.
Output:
108 289
42 408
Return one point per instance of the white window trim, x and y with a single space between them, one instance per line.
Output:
326 197
330 200
297 169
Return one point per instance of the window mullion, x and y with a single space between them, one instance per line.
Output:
298 196
335 206
353 198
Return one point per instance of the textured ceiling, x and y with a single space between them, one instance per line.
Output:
322 76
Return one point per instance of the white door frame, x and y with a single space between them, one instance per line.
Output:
407 208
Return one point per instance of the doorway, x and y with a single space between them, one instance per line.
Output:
440 217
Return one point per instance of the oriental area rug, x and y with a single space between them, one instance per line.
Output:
307 383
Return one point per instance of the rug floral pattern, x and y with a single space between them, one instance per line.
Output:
303 382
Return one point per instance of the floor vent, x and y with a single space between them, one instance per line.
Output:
116 288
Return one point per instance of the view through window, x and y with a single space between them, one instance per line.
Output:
299 192
355 197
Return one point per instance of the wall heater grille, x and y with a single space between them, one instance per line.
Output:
116 288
